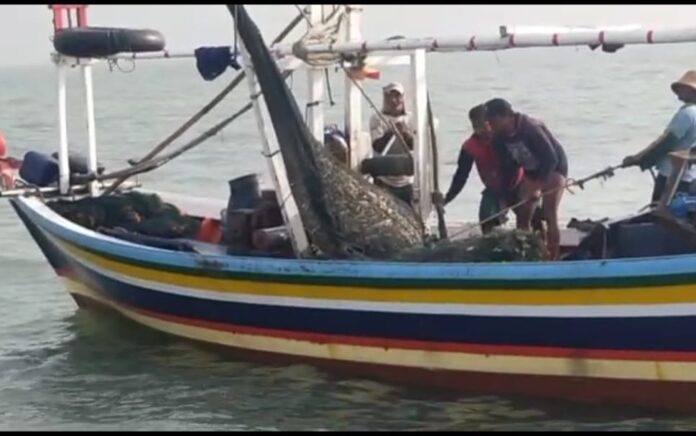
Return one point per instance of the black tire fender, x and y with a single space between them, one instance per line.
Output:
106 41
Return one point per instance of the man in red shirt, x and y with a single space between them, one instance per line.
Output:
477 150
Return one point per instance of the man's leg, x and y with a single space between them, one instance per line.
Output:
536 214
550 204
489 205
524 212
538 221
405 193
658 188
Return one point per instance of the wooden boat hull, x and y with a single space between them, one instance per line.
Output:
617 331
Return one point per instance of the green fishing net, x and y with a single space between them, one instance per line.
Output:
137 212
500 245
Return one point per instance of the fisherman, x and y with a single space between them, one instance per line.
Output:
522 141
680 134
393 137
477 150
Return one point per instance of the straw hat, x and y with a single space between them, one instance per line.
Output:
688 80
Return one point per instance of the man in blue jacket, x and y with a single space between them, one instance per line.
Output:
522 141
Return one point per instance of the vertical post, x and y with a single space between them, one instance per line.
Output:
63 151
82 15
64 168
91 129
274 159
315 88
422 152
353 98
57 16
58 23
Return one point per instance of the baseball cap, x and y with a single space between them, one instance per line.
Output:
394 86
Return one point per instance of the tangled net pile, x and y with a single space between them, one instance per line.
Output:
498 246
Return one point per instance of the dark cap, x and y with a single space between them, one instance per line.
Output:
498 107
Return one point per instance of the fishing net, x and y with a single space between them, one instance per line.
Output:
500 245
145 214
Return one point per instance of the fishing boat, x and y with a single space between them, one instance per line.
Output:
612 327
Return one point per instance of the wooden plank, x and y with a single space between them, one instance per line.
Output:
680 162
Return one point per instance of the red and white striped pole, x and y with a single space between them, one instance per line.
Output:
58 10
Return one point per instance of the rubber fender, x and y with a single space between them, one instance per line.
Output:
400 165
88 42
78 163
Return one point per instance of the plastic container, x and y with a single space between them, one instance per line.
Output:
245 192
682 204
39 169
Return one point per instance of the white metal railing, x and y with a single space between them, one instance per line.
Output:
504 41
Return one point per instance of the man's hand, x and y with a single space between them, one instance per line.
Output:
630 161
438 199
403 129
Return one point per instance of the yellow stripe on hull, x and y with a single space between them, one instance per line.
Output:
596 296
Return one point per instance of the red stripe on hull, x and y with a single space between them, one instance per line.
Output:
666 396
503 350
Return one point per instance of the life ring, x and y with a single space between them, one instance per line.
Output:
90 42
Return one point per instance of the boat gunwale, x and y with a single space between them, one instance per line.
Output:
556 275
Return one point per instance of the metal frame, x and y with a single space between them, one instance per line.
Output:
358 142
504 40
407 51
63 63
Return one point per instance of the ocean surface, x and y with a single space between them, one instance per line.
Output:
67 369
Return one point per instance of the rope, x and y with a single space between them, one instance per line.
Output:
373 106
149 165
328 88
325 32
304 14
113 63
604 174
201 113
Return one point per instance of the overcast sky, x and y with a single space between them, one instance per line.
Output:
25 29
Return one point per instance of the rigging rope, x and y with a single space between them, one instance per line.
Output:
603 174
202 112
149 165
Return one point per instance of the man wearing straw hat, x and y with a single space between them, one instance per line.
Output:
680 134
